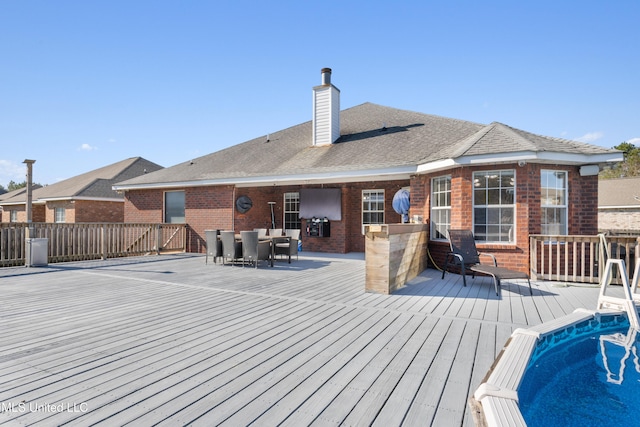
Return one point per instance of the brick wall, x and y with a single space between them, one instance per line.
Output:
142 206
98 211
619 220
37 213
420 196
354 239
67 205
22 215
583 204
207 208
75 211
214 208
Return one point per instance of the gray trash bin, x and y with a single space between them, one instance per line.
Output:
36 252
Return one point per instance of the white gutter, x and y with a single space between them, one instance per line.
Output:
24 202
548 157
399 173
42 201
91 199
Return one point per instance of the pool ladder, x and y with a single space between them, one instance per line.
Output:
627 303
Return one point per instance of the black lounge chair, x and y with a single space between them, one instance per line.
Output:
464 253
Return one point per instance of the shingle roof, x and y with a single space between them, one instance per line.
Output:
14 193
622 192
373 137
96 184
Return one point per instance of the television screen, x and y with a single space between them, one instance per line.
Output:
321 203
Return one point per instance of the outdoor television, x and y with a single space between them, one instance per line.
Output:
321 203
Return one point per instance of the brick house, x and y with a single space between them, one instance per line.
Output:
499 181
619 206
88 197
17 192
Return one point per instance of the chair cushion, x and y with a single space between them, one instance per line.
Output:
499 272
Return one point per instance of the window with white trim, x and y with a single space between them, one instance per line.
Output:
60 214
13 215
440 217
174 207
553 201
292 211
372 207
494 195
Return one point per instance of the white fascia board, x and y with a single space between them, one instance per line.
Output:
542 157
13 203
578 159
526 156
43 200
332 177
92 199
34 202
437 166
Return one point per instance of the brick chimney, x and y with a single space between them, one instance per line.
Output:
326 111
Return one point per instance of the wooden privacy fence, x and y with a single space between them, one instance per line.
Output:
578 258
76 242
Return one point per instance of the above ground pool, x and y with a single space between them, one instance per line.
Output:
585 375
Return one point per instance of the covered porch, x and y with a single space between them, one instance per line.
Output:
167 339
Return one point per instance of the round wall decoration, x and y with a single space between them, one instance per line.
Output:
243 204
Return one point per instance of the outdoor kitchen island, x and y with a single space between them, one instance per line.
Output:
394 254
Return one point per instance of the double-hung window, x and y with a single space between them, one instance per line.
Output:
494 205
292 211
372 207
174 207
60 214
440 207
553 194
13 215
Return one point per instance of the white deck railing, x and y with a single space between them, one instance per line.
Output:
577 258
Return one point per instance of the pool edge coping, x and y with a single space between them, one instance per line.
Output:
495 401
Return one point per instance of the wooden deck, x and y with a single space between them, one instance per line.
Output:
169 340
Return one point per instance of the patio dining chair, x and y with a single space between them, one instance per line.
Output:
275 232
465 254
288 245
231 248
254 249
214 245
262 232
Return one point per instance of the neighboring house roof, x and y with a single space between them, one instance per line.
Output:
622 193
94 185
16 192
375 141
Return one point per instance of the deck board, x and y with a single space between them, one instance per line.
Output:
171 340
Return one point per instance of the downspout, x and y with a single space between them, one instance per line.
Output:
233 210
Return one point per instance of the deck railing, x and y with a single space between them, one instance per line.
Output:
76 242
578 258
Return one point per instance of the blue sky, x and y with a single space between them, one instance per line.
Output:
84 84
